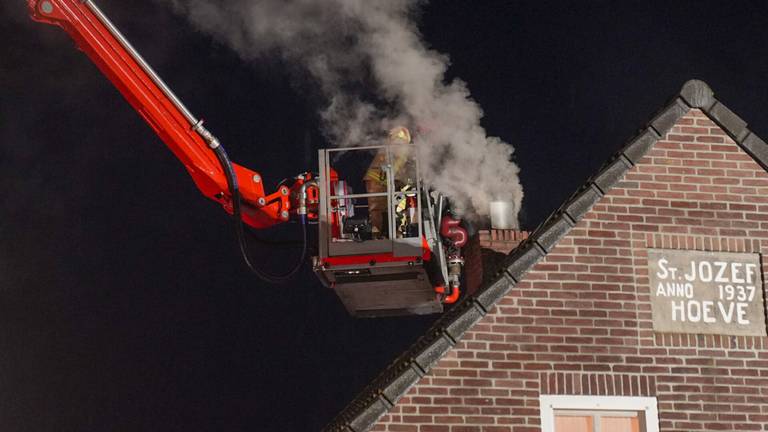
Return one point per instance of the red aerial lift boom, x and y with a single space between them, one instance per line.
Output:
181 131
414 269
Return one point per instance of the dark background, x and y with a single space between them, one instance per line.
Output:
124 304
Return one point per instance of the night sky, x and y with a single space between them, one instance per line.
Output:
124 303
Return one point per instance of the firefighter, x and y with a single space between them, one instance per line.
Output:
376 179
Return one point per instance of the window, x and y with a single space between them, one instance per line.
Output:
598 414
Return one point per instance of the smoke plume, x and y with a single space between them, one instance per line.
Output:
373 71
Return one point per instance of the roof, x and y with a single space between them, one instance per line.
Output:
382 394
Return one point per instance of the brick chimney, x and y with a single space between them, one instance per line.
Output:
485 251
501 240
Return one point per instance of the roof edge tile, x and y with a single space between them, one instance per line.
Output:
640 144
729 121
400 385
580 204
372 413
697 94
522 259
433 351
487 297
466 320
611 173
552 232
667 118
757 148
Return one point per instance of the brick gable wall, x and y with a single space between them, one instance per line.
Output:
580 321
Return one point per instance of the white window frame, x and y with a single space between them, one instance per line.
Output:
548 404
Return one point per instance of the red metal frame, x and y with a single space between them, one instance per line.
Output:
379 258
157 108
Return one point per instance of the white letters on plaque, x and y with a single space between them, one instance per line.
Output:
706 292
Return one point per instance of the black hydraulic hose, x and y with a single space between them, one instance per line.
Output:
234 191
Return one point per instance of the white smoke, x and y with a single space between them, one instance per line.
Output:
369 63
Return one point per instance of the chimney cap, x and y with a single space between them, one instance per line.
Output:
503 215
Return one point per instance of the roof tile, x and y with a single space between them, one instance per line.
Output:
697 94
667 118
468 316
433 350
363 421
552 232
639 146
582 202
611 173
757 148
726 119
522 259
400 384
488 296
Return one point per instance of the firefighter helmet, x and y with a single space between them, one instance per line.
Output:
400 135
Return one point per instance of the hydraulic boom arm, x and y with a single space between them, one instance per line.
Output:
184 134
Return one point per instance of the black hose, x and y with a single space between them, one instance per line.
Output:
234 191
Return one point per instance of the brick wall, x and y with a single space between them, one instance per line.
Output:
580 321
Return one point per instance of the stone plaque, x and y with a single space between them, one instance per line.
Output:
706 292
